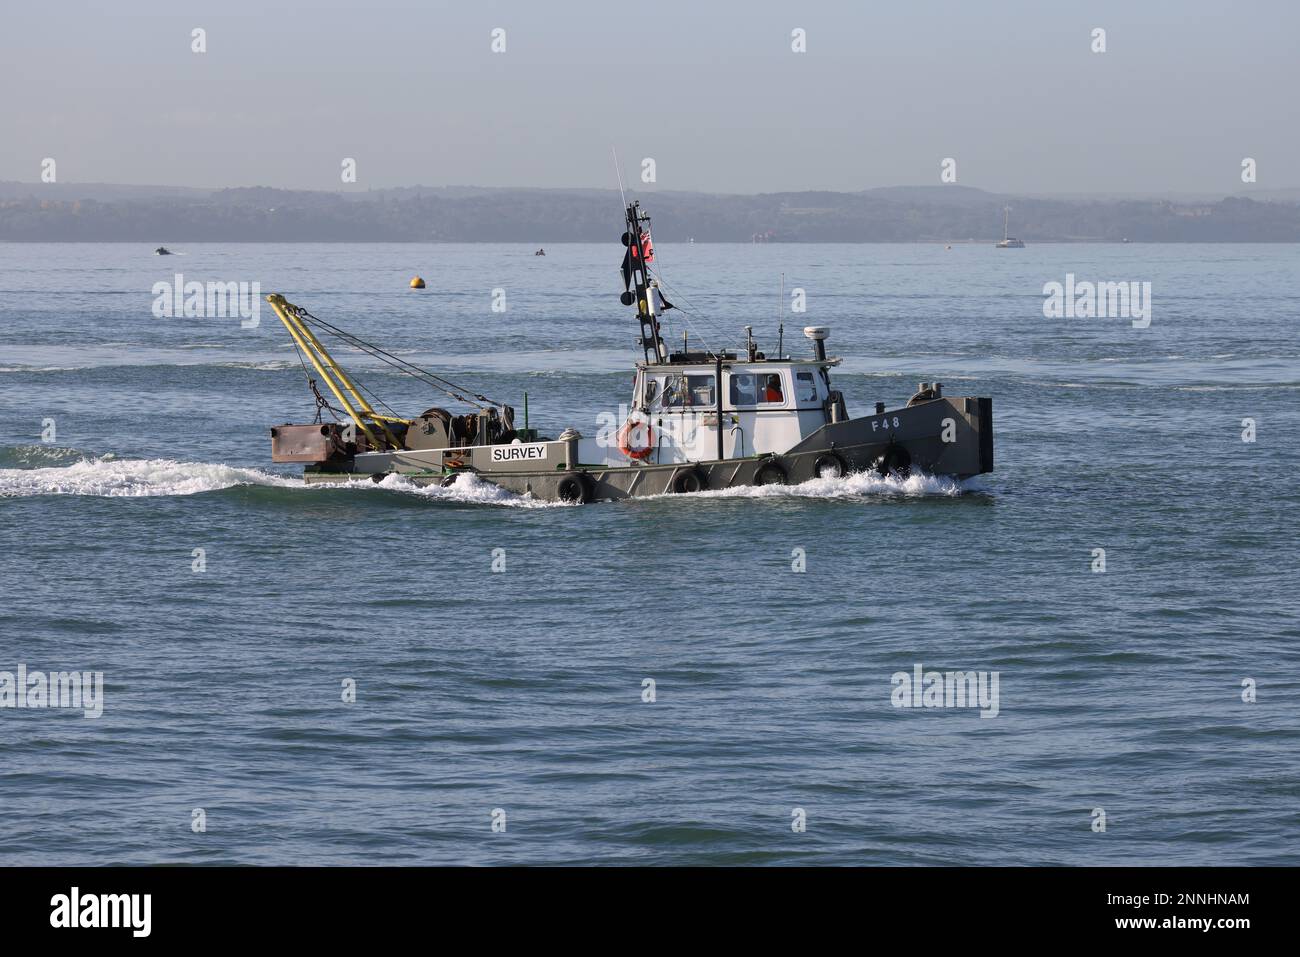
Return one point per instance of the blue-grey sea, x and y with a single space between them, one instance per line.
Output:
501 716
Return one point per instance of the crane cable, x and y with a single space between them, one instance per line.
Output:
429 378
321 404
389 359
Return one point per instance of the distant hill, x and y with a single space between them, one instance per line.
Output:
951 213
103 192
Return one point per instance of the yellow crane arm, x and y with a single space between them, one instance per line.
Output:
333 375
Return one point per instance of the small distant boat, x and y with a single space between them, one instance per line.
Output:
162 251
1008 242
540 252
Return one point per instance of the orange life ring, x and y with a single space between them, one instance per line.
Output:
637 451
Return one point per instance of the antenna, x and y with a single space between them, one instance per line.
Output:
618 171
780 312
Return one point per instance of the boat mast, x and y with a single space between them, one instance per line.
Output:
1006 222
636 276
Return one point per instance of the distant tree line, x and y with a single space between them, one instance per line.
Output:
917 214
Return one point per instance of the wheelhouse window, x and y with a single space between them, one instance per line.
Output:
805 387
770 390
743 389
688 391
763 388
700 389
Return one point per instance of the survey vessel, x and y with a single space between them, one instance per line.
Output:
698 419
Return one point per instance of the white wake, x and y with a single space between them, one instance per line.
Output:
854 485
109 477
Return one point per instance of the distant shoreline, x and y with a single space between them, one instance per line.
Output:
950 215
530 246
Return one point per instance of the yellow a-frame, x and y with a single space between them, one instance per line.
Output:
361 412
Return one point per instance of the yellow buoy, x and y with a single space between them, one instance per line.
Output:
417 283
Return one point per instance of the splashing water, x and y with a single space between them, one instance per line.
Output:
853 485
36 456
109 477
467 489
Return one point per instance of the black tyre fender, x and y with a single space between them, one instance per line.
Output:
827 461
771 473
687 481
575 487
895 459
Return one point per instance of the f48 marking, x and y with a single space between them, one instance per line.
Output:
877 423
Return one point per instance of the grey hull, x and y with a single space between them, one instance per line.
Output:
947 436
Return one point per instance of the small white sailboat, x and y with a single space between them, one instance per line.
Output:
1008 242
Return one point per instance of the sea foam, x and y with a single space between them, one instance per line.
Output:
109 477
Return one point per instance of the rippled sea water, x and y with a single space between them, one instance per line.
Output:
522 690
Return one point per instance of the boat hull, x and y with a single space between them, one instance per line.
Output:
948 436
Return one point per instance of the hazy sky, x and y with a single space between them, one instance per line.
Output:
711 90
